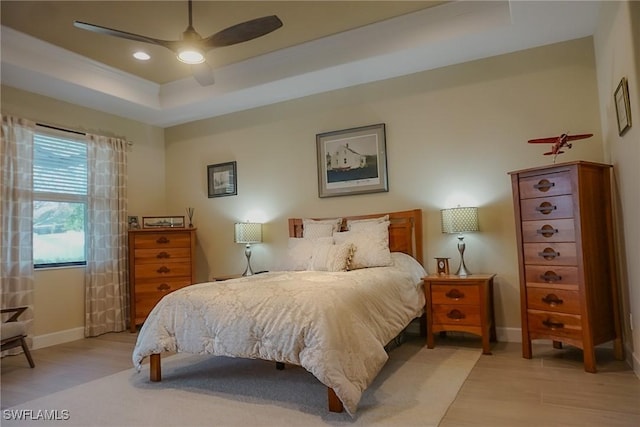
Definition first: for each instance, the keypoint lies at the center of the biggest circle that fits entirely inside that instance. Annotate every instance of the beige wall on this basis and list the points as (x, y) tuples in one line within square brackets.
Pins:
[(617, 43), (59, 293), (452, 136)]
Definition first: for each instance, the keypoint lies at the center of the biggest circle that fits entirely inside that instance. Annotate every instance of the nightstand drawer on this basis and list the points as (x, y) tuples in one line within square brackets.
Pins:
[(456, 315), (455, 294)]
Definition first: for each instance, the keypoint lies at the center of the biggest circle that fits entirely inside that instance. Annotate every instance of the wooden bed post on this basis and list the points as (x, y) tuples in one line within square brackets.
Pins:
[(335, 405), (155, 373)]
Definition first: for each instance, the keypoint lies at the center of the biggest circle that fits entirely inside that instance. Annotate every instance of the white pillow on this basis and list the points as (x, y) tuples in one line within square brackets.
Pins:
[(371, 246), (357, 224), (300, 251), (315, 227), (331, 257)]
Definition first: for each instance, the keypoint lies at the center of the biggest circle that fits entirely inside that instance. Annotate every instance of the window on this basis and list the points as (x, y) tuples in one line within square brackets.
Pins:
[(59, 199)]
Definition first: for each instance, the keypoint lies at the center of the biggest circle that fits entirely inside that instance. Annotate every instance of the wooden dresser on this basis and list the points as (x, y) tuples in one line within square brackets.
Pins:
[(566, 254), (160, 261)]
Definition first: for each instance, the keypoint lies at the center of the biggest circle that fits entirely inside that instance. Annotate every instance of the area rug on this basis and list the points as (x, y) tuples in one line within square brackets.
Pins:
[(415, 388)]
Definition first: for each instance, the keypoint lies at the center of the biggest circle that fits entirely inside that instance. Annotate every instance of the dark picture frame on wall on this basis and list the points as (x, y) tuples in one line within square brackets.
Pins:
[(222, 179), (352, 161), (623, 107)]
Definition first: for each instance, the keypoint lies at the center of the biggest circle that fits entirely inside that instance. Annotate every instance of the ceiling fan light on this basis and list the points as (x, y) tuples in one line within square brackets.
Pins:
[(190, 56)]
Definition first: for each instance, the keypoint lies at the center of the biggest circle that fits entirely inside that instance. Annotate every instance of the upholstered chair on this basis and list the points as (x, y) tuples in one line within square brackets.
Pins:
[(13, 332)]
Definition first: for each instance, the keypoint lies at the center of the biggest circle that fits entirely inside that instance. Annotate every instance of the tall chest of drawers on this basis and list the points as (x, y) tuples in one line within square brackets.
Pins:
[(160, 261), (566, 254)]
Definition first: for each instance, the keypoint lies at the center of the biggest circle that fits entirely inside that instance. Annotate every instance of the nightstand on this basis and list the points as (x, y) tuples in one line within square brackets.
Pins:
[(463, 304)]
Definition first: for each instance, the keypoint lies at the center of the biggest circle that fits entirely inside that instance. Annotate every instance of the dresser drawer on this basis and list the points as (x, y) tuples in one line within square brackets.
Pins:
[(555, 230), (162, 255), (144, 271), (452, 294), (550, 254), (161, 240), (555, 300), (547, 208), (150, 292), (451, 314), (552, 276), (550, 324), (552, 184)]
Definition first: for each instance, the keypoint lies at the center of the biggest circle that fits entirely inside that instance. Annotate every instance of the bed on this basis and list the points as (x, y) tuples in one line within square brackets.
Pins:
[(333, 323)]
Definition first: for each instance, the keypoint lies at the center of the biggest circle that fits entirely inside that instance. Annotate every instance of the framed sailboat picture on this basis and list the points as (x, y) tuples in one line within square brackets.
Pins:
[(352, 161)]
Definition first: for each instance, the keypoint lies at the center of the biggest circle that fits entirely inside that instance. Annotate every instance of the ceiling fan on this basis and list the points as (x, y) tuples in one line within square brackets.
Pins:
[(192, 47)]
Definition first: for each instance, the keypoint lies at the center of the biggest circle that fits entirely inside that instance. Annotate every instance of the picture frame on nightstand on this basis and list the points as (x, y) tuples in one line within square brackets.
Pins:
[(442, 266)]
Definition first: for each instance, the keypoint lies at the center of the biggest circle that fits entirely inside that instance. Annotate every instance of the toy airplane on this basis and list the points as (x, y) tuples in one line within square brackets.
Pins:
[(559, 142)]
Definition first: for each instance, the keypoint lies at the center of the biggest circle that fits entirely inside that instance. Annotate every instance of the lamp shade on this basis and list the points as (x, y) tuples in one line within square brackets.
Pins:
[(459, 220), (248, 232)]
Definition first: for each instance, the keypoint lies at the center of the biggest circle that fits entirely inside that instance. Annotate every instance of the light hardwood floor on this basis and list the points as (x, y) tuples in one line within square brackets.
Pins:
[(503, 389)]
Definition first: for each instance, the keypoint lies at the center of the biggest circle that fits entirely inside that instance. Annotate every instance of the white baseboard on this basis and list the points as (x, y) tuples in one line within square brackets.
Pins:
[(60, 337)]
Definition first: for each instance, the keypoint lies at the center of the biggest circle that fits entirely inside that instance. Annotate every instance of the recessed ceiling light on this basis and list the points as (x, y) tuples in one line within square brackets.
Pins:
[(142, 56)]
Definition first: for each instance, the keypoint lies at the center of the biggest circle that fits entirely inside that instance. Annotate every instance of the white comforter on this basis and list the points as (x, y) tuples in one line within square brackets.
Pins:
[(335, 325)]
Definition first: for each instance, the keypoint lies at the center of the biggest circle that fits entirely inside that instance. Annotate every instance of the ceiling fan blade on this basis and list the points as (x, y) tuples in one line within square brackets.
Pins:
[(243, 32), (123, 34), (203, 73)]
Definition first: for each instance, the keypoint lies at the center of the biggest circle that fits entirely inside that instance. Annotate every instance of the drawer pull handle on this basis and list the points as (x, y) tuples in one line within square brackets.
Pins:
[(163, 255), (552, 325), (162, 240), (544, 185), (547, 230), (164, 287), (546, 208), (552, 300), (454, 294), (549, 254), (456, 315), (163, 269), (550, 276)]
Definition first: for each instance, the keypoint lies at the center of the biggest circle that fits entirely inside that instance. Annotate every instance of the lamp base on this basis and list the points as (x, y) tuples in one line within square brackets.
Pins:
[(462, 270), (248, 271)]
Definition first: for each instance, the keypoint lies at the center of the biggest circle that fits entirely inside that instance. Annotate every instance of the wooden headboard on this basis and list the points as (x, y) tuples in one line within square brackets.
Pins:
[(405, 230)]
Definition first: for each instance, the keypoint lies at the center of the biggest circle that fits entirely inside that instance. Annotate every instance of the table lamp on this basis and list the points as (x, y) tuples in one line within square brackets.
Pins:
[(460, 220), (248, 233)]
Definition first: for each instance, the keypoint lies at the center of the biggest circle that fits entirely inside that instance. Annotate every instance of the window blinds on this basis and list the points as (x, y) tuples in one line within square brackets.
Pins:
[(59, 165)]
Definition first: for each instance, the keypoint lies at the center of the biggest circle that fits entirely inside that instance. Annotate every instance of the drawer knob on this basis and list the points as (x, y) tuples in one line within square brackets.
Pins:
[(162, 240), (456, 315), (544, 185), (547, 230), (552, 325), (549, 254), (552, 300), (454, 294), (550, 276), (546, 208), (162, 255), (164, 287), (163, 269)]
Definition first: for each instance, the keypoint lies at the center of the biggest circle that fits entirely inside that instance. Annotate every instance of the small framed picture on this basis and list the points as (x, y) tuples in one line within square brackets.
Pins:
[(133, 222), (222, 180), (623, 107), (162, 222)]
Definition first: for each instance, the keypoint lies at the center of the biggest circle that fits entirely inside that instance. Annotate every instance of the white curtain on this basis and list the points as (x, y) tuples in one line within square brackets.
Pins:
[(16, 211), (106, 290)]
